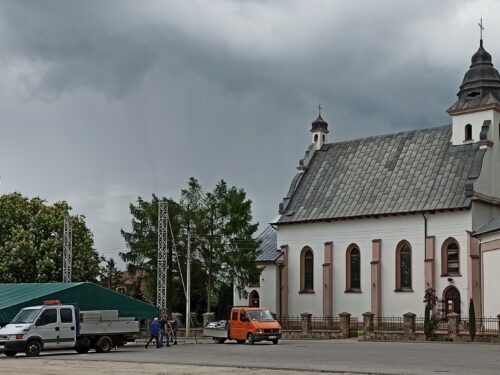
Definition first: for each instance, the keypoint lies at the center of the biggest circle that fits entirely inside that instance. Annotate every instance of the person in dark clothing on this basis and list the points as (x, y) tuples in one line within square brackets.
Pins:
[(163, 331), (154, 329)]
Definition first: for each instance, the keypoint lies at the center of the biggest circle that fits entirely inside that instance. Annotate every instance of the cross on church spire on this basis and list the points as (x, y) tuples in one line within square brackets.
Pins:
[(481, 28), (319, 108)]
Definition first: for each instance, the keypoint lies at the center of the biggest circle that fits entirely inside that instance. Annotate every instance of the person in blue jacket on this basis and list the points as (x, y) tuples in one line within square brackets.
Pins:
[(154, 329)]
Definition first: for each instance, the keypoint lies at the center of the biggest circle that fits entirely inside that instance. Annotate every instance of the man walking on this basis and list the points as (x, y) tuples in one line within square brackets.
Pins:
[(154, 329), (163, 331)]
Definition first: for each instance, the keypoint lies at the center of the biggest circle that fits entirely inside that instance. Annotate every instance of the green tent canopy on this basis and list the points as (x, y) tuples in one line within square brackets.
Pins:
[(88, 296)]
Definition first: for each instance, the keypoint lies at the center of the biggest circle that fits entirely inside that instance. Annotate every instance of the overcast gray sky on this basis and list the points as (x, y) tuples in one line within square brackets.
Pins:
[(102, 101)]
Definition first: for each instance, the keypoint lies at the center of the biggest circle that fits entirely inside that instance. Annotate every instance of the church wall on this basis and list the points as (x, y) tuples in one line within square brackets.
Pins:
[(489, 181), (391, 230), (490, 253), (267, 289)]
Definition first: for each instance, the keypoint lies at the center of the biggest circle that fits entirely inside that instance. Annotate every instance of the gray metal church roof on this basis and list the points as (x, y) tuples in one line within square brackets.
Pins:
[(412, 171), (491, 226), (268, 246)]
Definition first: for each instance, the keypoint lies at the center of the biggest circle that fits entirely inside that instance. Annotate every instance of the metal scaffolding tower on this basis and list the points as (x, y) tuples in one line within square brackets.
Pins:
[(67, 249), (162, 265)]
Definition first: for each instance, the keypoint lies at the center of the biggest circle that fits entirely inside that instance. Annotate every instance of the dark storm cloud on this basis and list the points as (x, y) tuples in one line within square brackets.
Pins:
[(112, 99)]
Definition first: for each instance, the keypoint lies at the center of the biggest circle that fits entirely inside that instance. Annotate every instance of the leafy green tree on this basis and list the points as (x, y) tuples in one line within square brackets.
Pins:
[(472, 320), (111, 277), (223, 248), (31, 242)]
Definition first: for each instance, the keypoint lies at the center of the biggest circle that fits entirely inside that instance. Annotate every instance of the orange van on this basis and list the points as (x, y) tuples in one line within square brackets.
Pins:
[(253, 324)]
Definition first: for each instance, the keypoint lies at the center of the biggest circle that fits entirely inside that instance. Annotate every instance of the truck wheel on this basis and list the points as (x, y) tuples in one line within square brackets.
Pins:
[(275, 342), (221, 341), (82, 345), (251, 338), (241, 341), (10, 353), (33, 348), (82, 349), (104, 344)]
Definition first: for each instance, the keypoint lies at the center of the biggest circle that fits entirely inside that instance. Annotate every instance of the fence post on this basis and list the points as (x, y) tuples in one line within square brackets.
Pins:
[(453, 325), (409, 325), (306, 324), (367, 324), (345, 323), (207, 318)]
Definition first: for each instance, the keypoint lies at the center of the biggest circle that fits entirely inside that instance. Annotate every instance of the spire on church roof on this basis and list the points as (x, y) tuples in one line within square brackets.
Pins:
[(481, 80), (319, 124)]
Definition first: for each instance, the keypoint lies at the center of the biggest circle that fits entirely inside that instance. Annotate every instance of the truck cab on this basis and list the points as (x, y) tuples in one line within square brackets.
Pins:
[(253, 324)]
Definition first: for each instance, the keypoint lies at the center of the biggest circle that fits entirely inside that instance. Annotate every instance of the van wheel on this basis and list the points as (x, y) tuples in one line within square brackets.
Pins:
[(104, 344), (10, 353), (275, 342), (33, 348), (251, 338)]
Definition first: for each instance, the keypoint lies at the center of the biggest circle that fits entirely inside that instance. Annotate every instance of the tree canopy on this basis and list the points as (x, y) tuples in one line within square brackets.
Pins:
[(223, 248), (31, 242)]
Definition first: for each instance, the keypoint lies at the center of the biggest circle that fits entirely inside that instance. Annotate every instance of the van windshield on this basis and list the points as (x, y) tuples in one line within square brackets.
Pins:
[(25, 316), (260, 315)]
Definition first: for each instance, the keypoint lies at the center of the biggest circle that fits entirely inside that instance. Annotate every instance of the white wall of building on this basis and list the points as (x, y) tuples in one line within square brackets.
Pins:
[(491, 286), (489, 181), (391, 230), (268, 289)]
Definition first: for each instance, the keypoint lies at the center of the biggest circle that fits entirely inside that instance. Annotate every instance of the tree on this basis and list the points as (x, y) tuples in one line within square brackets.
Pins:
[(222, 244), (142, 241), (31, 242), (430, 322), (111, 277), (472, 320)]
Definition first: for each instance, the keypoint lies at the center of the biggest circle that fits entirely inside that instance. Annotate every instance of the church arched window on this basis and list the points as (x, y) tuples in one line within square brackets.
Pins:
[(306, 270), (353, 269), (403, 267), (315, 138), (450, 258), (468, 132)]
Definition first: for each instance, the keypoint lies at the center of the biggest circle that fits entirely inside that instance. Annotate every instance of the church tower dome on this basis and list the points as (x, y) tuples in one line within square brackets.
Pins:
[(319, 130), (478, 103)]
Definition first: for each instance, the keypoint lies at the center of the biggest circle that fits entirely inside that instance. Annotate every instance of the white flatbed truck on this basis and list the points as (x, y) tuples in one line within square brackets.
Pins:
[(57, 326)]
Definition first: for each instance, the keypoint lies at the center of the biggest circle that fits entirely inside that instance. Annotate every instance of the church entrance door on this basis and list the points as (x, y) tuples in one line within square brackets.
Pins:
[(254, 299), (451, 297)]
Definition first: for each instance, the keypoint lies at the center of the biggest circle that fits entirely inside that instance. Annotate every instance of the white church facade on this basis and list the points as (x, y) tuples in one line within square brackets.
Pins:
[(370, 224)]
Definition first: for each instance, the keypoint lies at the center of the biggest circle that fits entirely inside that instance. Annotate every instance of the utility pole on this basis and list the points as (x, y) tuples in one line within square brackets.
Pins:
[(162, 264), (67, 249), (188, 278)]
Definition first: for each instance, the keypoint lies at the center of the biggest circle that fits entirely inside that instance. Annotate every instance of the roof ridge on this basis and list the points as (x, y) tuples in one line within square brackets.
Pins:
[(390, 134)]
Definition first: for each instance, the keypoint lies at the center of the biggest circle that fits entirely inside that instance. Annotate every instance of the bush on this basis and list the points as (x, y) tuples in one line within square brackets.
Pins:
[(430, 324), (472, 320)]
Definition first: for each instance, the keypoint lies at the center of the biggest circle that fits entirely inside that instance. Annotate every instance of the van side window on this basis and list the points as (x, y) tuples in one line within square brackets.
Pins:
[(66, 316), (243, 316), (47, 317), (235, 315)]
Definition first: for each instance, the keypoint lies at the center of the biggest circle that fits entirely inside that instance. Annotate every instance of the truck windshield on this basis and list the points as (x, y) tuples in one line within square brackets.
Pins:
[(25, 316), (260, 315)]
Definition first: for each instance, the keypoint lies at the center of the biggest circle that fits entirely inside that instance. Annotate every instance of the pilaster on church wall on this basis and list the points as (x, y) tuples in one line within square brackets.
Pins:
[(391, 230)]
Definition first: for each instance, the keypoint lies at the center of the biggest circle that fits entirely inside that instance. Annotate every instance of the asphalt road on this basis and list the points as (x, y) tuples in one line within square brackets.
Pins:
[(330, 355)]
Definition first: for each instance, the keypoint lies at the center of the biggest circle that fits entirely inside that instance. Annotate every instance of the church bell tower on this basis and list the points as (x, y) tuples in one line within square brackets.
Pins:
[(319, 130)]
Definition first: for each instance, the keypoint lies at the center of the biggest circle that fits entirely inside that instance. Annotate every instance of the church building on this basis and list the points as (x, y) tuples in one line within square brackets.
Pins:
[(369, 224)]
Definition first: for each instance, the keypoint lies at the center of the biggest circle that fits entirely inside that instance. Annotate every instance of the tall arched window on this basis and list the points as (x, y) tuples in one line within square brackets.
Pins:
[(306, 270), (468, 132), (450, 258), (315, 138), (403, 267), (353, 269)]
